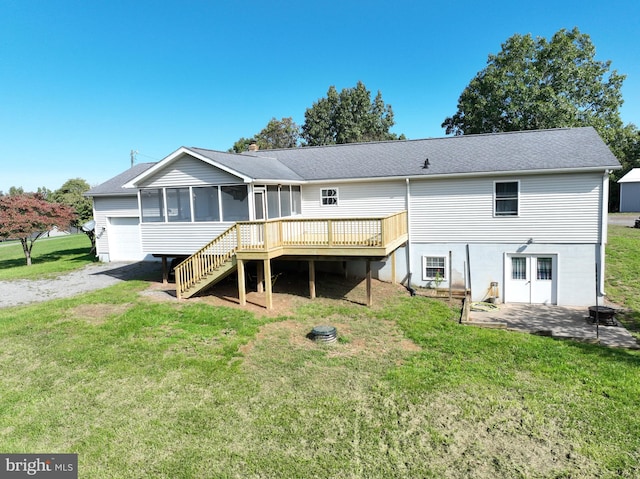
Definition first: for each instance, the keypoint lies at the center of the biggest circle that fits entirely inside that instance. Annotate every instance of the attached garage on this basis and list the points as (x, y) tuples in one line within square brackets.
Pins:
[(124, 239)]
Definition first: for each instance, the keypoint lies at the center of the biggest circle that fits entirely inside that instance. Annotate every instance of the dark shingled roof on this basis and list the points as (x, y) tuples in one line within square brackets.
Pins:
[(567, 148), (252, 166), (523, 151), (114, 185)]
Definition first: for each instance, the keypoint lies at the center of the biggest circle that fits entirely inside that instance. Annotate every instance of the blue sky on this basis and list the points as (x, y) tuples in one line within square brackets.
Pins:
[(84, 82)]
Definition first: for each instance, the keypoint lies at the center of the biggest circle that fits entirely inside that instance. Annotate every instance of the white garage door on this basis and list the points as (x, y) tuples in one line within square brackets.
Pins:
[(531, 279), (124, 239)]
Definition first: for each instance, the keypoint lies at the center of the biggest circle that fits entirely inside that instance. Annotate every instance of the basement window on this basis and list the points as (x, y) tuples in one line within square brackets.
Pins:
[(434, 268)]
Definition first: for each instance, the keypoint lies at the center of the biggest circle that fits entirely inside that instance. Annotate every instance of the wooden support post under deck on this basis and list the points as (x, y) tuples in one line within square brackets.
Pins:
[(267, 280), (369, 300), (312, 279), (260, 274), (242, 291), (165, 273)]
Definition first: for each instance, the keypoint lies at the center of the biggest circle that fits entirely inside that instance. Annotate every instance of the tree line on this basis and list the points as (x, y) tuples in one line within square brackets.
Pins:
[(348, 116), (532, 83)]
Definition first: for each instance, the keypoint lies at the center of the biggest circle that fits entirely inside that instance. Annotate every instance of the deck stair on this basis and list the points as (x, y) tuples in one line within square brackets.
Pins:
[(207, 266)]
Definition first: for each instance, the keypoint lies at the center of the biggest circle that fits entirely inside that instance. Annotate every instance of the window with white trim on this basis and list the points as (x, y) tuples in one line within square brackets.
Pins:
[(434, 268), (329, 197), (506, 197)]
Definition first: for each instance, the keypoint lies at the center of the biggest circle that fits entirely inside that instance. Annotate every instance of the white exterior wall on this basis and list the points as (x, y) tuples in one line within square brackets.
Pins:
[(366, 199), (110, 207), (552, 209), (559, 214), (575, 267), (179, 238), (629, 197), (189, 171)]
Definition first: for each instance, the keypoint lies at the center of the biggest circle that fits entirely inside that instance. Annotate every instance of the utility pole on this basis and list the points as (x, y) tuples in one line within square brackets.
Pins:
[(133, 156)]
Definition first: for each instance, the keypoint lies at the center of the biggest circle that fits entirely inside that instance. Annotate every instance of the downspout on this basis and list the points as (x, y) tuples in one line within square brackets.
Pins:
[(604, 228), (408, 205)]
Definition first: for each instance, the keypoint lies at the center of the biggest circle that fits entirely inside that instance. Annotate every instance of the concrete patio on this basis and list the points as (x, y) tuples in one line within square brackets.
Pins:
[(556, 321)]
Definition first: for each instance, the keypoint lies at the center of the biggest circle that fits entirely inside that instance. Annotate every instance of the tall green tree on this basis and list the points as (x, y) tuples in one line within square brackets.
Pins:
[(283, 133), (538, 83), (71, 194), (348, 117), (535, 83)]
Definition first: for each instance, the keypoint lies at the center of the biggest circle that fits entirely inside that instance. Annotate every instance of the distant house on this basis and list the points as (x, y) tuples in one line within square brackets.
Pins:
[(630, 191), (522, 215)]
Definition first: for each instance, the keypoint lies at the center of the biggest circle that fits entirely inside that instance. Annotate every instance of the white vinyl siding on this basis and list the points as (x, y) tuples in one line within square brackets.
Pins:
[(178, 239), (552, 209), (189, 171), (366, 199)]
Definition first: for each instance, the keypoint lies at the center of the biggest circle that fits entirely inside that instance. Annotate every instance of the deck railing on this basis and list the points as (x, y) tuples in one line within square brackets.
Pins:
[(207, 259), (290, 233), (327, 232)]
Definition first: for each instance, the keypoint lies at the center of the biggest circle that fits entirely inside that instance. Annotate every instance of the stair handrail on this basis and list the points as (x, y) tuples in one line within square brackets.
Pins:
[(206, 260)]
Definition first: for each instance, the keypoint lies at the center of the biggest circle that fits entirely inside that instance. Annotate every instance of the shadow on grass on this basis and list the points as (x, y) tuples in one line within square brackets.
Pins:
[(70, 255)]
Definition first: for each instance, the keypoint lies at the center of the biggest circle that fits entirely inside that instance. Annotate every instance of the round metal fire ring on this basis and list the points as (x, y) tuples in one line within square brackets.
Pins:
[(324, 334)]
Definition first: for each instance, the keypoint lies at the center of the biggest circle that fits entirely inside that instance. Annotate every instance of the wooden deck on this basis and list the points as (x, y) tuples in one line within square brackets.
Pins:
[(302, 237)]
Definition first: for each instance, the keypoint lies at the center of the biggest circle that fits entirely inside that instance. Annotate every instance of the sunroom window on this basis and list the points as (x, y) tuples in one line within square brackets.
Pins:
[(235, 203), (206, 204), (152, 203), (178, 205)]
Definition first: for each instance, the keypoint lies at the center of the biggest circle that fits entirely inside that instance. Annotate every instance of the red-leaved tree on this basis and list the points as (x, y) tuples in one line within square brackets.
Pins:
[(29, 216)]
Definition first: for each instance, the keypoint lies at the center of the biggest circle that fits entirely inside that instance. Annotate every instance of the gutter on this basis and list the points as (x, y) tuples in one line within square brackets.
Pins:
[(409, 262), (604, 229), (476, 174)]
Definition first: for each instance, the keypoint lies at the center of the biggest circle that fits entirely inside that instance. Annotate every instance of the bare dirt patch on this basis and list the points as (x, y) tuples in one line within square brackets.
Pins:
[(290, 291), (97, 313)]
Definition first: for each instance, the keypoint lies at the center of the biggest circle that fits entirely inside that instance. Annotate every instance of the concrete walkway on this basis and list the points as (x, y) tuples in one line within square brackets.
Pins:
[(556, 321)]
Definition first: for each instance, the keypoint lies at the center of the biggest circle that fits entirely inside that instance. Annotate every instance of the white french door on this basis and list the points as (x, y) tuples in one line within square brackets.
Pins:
[(531, 279)]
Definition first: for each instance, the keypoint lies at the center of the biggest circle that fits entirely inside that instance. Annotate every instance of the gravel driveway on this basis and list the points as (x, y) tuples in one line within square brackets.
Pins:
[(92, 277)]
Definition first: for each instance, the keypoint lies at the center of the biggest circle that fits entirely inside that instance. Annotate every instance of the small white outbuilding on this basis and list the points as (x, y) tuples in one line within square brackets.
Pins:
[(630, 192)]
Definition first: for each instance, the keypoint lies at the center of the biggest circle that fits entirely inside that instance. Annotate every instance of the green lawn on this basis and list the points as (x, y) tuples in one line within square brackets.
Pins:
[(622, 273), (50, 257), (141, 388)]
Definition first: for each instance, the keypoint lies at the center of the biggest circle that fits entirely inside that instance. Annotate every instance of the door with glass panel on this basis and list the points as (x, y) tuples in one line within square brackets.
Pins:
[(531, 279), (260, 204)]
